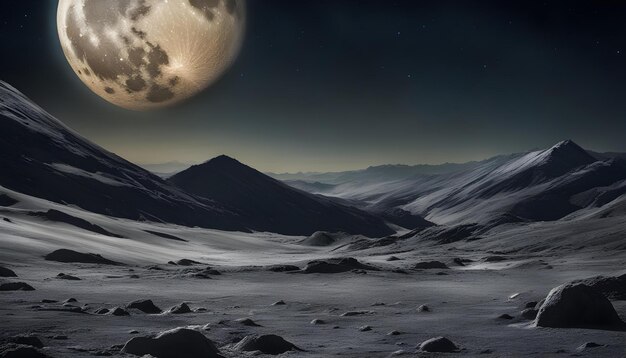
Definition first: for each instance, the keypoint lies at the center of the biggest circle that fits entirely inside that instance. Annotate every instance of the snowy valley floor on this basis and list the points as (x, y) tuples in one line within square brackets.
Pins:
[(465, 301)]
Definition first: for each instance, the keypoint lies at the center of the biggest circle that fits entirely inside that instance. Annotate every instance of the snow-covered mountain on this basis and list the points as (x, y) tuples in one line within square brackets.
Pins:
[(266, 204), (43, 158), (535, 186)]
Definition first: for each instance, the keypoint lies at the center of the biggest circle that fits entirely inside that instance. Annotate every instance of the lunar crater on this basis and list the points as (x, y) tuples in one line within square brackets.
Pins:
[(145, 54)]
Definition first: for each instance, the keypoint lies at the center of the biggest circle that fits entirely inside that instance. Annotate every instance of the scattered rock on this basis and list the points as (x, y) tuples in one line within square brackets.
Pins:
[(394, 333), (283, 268), (439, 345), (63, 276), (70, 256), (378, 304), (336, 265), (279, 303), (182, 308), (427, 265), (505, 316), (356, 313), (318, 321), (323, 238), (133, 332), (393, 258), (145, 306), (5, 272), (529, 313), (365, 328), (16, 286), (118, 311), (134, 276), (423, 308), (268, 344), (179, 342), (70, 300), (461, 262), (398, 270), (248, 322), (49, 301), (577, 305), (27, 341), (60, 338)]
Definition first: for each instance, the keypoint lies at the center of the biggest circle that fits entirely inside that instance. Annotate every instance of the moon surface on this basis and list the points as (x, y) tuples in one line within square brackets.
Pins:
[(147, 54)]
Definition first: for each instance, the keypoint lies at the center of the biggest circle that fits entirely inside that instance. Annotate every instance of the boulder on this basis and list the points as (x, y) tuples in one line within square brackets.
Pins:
[(118, 311), (5, 272), (336, 265), (145, 306), (268, 344), (16, 286), (613, 288), (577, 305), (63, 276), (182, 308), (179, 342), (439, 345), (283, 268), (529, 313)]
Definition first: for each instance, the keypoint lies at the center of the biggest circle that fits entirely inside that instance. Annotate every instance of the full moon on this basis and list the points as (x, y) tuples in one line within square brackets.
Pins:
[(147, 54)]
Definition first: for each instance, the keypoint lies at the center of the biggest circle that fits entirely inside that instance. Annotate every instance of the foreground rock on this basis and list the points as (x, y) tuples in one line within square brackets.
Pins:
[(20, 351), (16, 286), (614, 288), (179, 342), (336, 265), (63, 276), (145, 306), (182, 308), (268, 344), (70, 256), (5, 272), (577, 305), (439, 345)]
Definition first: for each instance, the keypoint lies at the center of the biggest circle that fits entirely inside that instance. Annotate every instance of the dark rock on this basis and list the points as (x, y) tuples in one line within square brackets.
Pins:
[(187, 262), (69, 256), (102, 311), (283, 268), (393, 258), (430, 265), (505, 316), (133, 332), (577, 305), (70, 300), (529, 313), (179, 342), (63, 276), (27, 341), (49, 301), (268, 344), (318, 321), (365, 328), (336, 265), (394, 333), (118, 311), (182, 308), (461, 262), (531, 304), (323, 238), (145, 306), (401, 271), (16, 286), (279, 303), (59, 216), (60, 338), (5, 272), (439, 345), (248, 322), (20, 351), (356, 313)]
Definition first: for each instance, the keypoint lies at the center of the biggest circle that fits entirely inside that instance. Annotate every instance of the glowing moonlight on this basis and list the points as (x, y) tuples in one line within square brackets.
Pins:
[(145, 54)]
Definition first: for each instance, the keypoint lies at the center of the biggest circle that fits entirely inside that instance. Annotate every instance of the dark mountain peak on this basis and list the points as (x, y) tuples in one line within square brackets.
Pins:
[(567, 154)]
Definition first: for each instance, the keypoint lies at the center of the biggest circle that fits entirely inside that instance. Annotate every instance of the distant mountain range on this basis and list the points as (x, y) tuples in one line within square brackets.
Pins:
[(41, 157), (535, 186)]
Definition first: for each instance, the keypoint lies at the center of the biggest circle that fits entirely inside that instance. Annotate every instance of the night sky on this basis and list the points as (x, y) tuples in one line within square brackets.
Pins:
[(343, 84)]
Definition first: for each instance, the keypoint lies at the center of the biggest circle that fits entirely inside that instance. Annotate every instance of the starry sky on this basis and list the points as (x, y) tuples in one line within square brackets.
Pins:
[(331, 85)]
